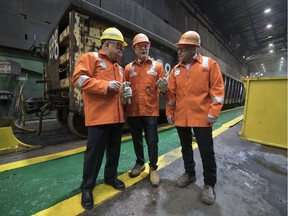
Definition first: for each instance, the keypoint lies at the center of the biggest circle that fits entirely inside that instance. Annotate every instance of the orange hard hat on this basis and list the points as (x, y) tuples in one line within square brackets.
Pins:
[(140, 38), (190, 38)]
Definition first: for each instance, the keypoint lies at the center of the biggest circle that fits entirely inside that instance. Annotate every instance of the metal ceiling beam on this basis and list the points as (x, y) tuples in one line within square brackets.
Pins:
[(252, 24)]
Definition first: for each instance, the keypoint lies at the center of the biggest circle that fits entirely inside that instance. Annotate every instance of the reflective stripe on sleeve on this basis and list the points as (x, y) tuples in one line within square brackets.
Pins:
[(218, 100), (81, 80)]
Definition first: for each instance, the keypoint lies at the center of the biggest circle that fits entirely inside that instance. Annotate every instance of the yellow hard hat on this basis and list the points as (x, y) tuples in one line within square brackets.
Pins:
[(190, 38), (113, 34), (140, 38)]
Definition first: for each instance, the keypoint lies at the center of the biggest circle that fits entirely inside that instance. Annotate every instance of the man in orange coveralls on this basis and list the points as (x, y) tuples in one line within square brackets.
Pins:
[(147, 78), (99, 76), (195, 97)]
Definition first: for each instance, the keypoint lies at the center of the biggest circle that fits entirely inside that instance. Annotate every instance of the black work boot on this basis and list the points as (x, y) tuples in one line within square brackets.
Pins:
[(87, 201)]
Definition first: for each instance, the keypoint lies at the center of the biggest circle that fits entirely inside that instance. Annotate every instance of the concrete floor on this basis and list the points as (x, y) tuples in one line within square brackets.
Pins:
[(252, 181)]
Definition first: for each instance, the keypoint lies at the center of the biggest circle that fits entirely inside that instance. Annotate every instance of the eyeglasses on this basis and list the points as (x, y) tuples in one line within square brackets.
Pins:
[(182, 49), (118, 45), (141, 46)]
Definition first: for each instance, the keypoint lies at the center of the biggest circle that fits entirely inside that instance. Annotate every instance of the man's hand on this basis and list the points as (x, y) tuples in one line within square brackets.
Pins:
[(126, 93), (211, 119), (162, 84), (170, 119), (114, 85)]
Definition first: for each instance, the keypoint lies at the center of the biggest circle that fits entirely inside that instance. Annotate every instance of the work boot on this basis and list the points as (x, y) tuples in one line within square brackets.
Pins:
[(154, 178), (208, 195), (185, 180), (115, 183), (87, 201), (137, 169)]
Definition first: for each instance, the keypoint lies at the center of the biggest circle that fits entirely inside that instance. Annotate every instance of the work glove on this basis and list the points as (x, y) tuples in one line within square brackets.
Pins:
[(114, 85), (126, 93), (170, 119), (162, 84), (211, 119)]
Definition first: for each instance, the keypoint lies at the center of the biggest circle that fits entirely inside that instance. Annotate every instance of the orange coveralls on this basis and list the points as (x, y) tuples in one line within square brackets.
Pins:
[(143, 78), (143, 111), (92, 75), (195, 93)]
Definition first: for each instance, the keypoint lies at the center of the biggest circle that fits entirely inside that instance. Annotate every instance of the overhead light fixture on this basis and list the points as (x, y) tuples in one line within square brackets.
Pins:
[(271, 51), (269, 26), (270, 44), (268, 10), (270, 36)]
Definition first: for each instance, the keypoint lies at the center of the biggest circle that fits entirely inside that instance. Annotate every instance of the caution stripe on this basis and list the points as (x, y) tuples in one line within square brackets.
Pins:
[(103, 192)]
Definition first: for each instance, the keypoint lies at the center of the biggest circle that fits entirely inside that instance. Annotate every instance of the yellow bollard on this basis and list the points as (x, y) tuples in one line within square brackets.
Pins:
[(8, 141)]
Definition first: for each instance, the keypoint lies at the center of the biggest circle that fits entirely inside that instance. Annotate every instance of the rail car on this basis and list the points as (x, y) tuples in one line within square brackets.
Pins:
[(234, 92), (78, 31)]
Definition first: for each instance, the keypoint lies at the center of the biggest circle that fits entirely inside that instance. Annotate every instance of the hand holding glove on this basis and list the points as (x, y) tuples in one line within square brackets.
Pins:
[(114, 85), (126, 93), (162, 84), (170, 119), (211, 119)]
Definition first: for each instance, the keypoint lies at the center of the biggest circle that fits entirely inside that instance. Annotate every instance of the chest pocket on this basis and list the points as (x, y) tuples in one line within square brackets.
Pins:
[(152, 69)]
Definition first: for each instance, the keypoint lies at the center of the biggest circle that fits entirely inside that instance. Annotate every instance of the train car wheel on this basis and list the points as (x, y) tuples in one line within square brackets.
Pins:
[(62, 117), (76, 124)]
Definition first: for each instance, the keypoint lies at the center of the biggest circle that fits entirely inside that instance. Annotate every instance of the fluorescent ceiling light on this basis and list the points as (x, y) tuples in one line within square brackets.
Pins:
[(267, 10)]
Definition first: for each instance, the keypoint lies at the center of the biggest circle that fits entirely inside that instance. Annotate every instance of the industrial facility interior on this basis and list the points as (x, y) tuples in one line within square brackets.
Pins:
[(42, 129)]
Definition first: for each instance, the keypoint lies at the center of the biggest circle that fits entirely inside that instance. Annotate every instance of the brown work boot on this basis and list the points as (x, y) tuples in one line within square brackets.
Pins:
[(137, 169), (208, 195), (154, 178), (185, 180)]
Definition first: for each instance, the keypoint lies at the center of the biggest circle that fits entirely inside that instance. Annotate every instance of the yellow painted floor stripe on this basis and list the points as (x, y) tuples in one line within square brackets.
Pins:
[(103, 192), (232, 122), (30, 161), (228, 110), (39, 159)]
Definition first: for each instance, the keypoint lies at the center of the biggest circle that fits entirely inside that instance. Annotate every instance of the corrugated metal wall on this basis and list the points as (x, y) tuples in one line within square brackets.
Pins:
[(168, 20)]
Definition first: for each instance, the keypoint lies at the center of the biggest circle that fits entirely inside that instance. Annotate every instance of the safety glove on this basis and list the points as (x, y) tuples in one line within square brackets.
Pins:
[(114, 85), (162, 84), (211, 119), (126, 92)]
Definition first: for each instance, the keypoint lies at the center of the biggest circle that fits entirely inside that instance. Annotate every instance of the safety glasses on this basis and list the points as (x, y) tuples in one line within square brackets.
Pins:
[(182, 49), (142, 45), (118, 45)]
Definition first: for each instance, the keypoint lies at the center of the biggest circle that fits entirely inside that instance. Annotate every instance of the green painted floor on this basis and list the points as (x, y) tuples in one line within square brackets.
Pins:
[(28, 190)]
